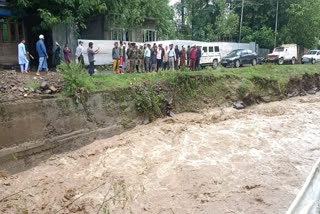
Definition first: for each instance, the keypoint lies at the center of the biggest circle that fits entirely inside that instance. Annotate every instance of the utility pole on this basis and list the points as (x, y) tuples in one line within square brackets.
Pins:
[(241, 20), (276, 27)]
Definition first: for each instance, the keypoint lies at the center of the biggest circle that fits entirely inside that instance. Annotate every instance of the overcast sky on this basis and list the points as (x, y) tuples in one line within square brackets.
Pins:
[(172, 2)]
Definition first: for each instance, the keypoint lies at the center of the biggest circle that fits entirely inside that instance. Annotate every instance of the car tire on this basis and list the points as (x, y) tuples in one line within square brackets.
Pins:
[(313, 61), (254, 62), (237, 64), (302, 62), (281, 61), (215, 64), (293, 61)]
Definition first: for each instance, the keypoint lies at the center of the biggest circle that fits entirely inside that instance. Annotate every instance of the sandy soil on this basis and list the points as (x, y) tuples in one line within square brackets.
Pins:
[(217, 161)]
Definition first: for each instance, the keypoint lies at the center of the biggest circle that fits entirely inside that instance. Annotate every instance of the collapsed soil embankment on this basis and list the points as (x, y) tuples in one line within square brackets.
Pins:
[(32, 130)]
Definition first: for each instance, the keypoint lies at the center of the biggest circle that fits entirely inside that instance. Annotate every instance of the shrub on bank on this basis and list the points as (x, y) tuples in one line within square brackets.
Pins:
[(75, 79)]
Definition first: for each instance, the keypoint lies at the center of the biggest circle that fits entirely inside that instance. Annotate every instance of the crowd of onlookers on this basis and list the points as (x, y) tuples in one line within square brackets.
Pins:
[(126, 59), (145, 58)]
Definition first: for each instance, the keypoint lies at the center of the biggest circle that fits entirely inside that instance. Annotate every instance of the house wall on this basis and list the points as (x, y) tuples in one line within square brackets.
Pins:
[(65, 34), (95, 29)]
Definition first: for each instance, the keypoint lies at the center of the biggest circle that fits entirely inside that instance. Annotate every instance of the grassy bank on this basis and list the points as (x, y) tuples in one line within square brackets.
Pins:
[(156, 93), (274, 72)]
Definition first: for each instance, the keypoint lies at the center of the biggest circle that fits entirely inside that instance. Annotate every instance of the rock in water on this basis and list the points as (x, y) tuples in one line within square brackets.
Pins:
[(239, 105), (44, 85)]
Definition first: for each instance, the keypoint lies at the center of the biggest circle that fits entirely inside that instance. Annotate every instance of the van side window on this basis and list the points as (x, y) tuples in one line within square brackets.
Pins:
[(216, 49), (205, 49), (210, 49), (318, 52)]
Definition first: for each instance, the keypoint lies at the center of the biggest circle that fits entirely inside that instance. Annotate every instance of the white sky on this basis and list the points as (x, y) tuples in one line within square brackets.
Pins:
[(172, 2)]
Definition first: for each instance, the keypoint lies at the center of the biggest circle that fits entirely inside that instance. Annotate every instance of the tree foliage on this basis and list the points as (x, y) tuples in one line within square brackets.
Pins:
[(59, 11), (209, 20)]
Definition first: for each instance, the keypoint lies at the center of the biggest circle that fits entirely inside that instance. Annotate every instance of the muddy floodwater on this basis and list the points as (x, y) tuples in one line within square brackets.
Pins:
[(216, 161)]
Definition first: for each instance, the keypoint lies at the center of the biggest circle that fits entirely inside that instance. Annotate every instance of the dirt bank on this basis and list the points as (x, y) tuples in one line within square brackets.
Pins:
[(217, 161)]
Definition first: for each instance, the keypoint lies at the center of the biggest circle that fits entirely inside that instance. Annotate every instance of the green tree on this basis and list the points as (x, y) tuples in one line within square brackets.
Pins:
[(53, 12), (303, 26)]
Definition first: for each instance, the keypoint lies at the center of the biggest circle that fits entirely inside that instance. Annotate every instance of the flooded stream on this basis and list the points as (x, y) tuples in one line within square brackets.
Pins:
[(216, 161)]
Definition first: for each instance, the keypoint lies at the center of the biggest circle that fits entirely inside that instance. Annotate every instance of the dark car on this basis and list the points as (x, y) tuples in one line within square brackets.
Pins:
[(239, 57)]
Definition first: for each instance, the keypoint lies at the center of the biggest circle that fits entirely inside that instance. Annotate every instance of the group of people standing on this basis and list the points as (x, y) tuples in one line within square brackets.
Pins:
[(145, 58), (133, 58)]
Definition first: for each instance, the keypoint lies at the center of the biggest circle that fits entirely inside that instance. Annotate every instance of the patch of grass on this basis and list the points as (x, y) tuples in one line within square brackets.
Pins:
[(33, 84), (272, 72), (75, 79)]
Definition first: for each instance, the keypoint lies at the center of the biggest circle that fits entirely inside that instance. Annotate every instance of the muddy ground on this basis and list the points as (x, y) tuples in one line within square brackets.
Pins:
[(15, 85), (216, 161)]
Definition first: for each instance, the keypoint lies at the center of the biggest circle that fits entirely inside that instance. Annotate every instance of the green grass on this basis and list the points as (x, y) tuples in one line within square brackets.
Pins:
[(273, 72), (33, 84)]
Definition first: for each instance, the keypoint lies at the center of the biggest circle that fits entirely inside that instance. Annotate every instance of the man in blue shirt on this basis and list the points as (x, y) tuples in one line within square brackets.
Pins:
[(43, 56)]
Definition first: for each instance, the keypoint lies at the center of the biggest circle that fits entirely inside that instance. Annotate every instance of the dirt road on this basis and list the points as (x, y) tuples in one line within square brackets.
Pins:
[(216, 161)]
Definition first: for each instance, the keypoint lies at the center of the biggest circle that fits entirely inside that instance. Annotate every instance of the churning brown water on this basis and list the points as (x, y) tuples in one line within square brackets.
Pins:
[(216, 161)]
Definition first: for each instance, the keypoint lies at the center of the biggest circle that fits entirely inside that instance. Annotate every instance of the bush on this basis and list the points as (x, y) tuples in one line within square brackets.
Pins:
[(75, 79)]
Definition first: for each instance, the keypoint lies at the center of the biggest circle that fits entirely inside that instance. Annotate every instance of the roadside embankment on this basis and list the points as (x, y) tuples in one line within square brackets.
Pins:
[(32, 130)]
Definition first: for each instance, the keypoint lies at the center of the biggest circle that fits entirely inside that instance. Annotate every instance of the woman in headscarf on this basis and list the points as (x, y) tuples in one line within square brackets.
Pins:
[(57, 54), (67, 53)]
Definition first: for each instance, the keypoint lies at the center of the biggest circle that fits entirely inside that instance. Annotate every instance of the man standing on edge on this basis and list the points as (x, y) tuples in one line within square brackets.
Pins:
[(166, 59), (176, 62), (154, 52), (183, 57), (198, 57), (160, 55), (188, 55), (132, 56), (116, 58), (43, 56), (193, 57), (79, 53), (172, 57), (23, 61), (91, 54), (122, 56), (141, 59), (147, 55)]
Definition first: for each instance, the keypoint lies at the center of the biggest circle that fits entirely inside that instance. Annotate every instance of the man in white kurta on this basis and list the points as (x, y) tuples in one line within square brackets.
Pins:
[(22, 57)]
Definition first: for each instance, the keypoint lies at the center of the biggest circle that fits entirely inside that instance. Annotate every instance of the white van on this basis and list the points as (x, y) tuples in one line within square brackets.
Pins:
[(210, 56), (284, 53)]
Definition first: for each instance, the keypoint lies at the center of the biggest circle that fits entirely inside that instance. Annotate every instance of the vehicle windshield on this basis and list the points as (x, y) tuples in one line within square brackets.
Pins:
[(280, 49), (234, 53), (312, 53)]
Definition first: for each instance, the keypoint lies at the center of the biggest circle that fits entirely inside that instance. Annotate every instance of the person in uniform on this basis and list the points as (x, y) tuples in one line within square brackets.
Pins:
[(154, 52), (141, 59), (132, 56)]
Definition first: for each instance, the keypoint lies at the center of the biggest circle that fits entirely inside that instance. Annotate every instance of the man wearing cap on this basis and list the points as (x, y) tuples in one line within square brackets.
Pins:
[(172, 57), (91, 54), (79, 53), (43, 56)]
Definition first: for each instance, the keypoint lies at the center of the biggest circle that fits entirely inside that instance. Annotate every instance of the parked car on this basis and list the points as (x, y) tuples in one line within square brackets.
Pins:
[(313, 56), (239, 57), (210, 56), (284, 53)]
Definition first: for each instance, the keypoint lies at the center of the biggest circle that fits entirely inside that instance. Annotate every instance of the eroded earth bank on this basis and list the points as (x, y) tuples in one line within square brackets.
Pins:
[(217, 161)]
